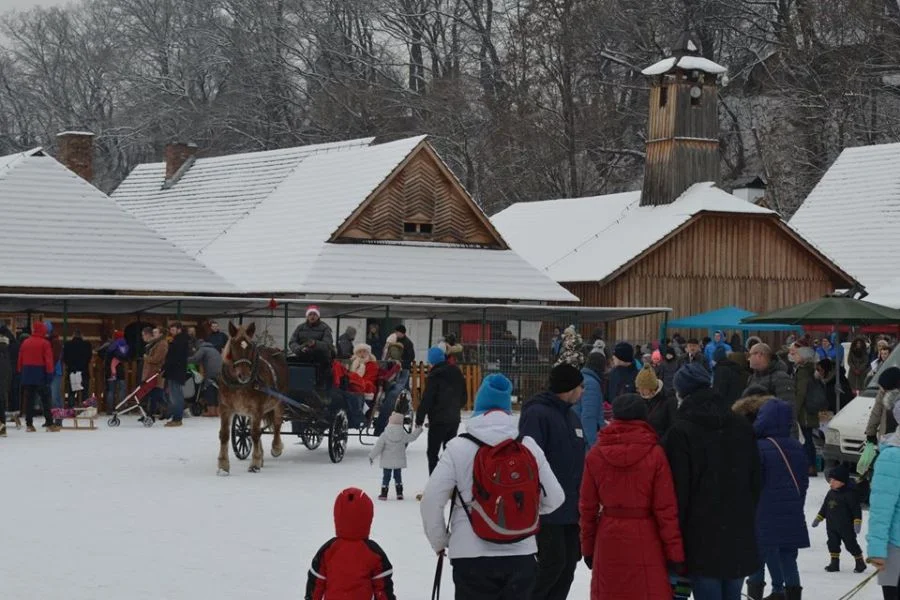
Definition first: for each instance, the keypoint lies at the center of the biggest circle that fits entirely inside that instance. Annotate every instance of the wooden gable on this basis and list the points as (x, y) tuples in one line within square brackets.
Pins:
[(421, 201), (715, 260)]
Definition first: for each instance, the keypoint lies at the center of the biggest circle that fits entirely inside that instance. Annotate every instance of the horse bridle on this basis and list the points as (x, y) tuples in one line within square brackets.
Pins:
[(253, 361)]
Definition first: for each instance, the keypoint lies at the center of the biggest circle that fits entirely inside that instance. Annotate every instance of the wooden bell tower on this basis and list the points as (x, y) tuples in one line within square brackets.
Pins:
[(683, 129)]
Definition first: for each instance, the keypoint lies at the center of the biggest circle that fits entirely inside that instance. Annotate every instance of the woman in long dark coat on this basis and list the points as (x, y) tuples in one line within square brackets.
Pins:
[(858, 361)]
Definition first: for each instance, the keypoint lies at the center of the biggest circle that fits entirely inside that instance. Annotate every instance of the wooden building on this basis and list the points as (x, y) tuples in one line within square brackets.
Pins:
[(681, 241)]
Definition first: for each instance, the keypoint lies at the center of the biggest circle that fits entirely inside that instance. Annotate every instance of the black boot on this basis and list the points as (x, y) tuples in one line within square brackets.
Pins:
[(383, 494), (755, 590), (860, 565), (793, 593), (399, 491), (834, 566)]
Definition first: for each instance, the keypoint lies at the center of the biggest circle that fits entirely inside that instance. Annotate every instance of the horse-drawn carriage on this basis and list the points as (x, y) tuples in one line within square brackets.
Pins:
[(318, 412)]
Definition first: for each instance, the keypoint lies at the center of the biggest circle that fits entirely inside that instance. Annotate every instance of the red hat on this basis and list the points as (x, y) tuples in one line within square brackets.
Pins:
[(118, 334), (313, 309)]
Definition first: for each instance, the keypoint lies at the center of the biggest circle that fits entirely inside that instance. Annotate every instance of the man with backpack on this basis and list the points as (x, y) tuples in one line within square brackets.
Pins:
[(548, 418), (491, 551)]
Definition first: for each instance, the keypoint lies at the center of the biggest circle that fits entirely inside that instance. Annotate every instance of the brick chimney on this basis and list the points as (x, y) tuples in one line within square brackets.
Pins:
[(177, 154), (76, 152)]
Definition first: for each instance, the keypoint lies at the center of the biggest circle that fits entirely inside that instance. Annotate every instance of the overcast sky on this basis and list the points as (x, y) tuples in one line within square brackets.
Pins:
[(6, 5)]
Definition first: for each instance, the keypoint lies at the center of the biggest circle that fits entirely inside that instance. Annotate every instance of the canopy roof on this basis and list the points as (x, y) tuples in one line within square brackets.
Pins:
[(239, 306), (831, 310), (729, 317)]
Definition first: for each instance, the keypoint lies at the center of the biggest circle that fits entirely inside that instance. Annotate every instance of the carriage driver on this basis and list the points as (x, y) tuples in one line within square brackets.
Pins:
[(313, 341)]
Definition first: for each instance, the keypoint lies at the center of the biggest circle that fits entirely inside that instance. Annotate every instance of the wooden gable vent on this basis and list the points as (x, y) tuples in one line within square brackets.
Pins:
[(421, 201)]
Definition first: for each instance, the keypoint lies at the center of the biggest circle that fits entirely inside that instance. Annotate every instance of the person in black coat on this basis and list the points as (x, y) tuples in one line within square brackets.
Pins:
[(175, 371), (77, 354), (217, 338), (729, 379), (548, 418), (442, 403), (622, 375), (667, 369), (842, 513), (716, 470), (661, 409)]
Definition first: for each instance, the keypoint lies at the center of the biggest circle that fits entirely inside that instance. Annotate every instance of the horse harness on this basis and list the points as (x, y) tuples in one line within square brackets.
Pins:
[(254, 381)]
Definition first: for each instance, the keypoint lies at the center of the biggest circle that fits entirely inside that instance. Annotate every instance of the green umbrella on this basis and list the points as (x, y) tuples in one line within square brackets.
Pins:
[(831, 310)]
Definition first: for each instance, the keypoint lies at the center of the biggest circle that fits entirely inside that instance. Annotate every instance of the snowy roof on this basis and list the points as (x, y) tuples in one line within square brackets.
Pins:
[(435, 271), (214, 193), (275, 239), (858, 197), (589, 239), (62, 232), (686, 63)]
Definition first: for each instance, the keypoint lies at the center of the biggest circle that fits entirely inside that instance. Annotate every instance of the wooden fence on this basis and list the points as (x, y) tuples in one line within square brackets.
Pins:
[(418, 377)]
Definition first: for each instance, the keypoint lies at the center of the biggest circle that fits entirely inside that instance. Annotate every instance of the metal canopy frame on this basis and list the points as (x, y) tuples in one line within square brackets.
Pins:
[(248, 307)]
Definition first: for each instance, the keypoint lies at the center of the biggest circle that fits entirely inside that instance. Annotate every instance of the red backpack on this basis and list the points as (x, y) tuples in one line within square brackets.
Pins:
[(506, 492)]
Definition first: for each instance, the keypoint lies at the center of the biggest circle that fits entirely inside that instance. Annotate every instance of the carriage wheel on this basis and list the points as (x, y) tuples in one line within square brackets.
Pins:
[(311, 438), (240, 436), (337, 437)]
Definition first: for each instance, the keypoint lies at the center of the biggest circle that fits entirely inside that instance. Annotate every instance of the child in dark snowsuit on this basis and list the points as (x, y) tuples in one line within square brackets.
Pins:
[(351, 566), (842, 513)]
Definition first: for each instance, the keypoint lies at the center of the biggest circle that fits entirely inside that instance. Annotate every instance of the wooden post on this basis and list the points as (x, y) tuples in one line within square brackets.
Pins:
[(286, 327), (430, 331), (481, 337)]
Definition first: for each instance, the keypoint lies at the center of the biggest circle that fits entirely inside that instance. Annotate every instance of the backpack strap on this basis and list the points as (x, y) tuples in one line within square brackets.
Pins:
[(787, 464), (472, 438)]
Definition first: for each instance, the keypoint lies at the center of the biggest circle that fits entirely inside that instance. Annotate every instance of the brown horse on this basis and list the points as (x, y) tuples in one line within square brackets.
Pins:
[(247, 371)]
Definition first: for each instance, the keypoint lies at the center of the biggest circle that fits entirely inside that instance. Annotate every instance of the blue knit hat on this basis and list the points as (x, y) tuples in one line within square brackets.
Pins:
[(691, 378), (436, 356), (495, 393)]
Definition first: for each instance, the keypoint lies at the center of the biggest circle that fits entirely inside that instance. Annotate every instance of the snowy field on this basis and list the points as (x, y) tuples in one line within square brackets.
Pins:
[(139, 514)]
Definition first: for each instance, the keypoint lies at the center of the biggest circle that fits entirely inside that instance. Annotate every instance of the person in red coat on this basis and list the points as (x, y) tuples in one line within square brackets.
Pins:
[(35, 367), (350, 566), (629, 513)]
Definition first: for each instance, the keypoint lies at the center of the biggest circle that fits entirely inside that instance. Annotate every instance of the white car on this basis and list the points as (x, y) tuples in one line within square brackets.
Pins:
[(845, 434)]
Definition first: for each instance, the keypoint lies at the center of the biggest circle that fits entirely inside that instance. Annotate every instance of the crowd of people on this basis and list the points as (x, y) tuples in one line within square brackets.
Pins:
[(681, 471), (33, 365)]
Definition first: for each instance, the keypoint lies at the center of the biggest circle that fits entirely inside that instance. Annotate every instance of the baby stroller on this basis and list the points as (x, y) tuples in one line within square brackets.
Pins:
[(137, 396), (194, 387)]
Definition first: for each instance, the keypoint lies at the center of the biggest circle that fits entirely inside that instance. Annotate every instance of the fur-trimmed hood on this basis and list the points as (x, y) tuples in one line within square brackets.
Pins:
[(749, 407)]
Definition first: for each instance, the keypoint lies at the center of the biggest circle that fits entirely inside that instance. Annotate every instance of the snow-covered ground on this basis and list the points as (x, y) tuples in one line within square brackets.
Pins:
[(140, 514)]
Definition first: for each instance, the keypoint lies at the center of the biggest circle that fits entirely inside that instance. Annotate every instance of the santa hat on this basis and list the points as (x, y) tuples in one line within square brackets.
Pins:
[(312, 309)]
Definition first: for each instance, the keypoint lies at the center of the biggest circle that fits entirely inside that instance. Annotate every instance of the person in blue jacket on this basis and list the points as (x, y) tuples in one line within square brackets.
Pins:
[(549, 420), (590, 407), (883, 539), (780, 521), (717, 342)]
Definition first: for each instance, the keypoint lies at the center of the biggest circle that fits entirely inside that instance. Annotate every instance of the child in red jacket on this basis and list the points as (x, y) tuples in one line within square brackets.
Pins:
[(350, 566)]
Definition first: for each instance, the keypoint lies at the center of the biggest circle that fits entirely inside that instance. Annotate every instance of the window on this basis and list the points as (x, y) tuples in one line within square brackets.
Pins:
[(663, 96), (417, 229)]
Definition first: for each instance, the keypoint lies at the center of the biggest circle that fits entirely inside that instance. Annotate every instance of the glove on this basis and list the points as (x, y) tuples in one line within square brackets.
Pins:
[(857, 526), (816, 521), (589, 561)]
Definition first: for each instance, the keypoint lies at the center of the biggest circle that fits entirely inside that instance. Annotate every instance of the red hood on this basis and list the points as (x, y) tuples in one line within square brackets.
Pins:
[(38, 329), (353, 513), (624, 443)]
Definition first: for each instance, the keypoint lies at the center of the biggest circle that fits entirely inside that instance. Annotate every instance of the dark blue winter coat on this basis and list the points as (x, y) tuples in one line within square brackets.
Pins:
[(780, 520), (621, 382), (555, 427)]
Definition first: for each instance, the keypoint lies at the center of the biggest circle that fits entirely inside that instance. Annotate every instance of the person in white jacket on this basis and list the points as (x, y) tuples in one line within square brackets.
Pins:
[(391, 447), (483, 570)]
